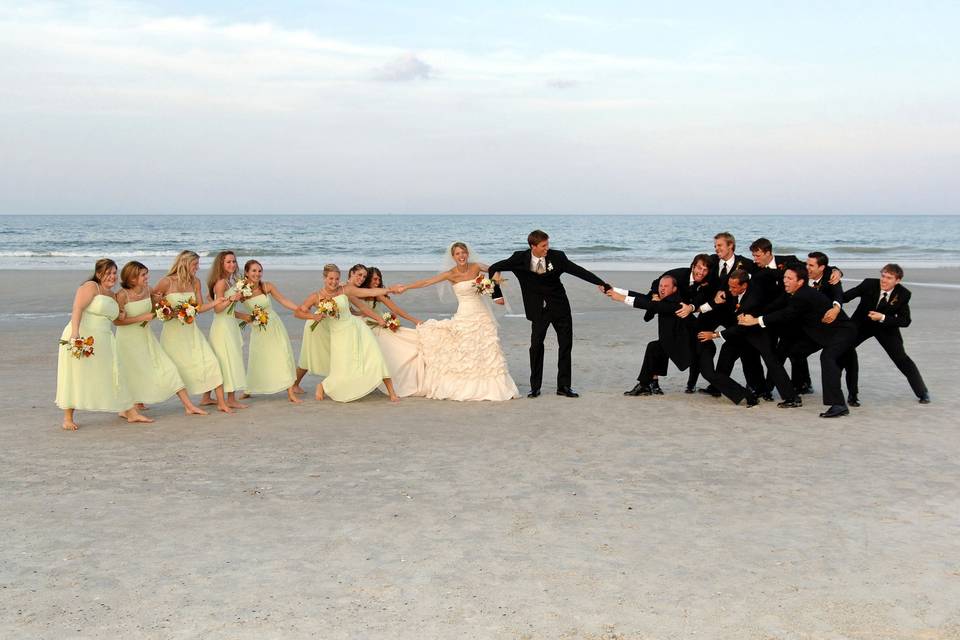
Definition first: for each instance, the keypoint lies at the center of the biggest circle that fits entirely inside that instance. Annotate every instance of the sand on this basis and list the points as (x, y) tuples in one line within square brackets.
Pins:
[(600, 517)]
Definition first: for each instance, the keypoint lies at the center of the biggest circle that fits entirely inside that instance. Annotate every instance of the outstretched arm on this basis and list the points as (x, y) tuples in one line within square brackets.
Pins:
[(426, 282), (397, 311), (272, 290), (303, 311), (571, 267), (365, 310)]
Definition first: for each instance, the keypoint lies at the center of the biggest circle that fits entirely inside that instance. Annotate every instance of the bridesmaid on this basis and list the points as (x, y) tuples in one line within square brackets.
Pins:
[(356, 366), (225, 336), (150, 373), (400, 348), (270, 364), (184, 343), (94, 383)]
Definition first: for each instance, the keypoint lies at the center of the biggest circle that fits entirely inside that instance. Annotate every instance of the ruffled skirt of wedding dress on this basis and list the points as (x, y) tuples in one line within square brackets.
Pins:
[(463, 359)]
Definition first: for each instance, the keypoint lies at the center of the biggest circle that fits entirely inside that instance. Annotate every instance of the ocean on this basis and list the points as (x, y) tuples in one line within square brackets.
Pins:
[(418, 242)]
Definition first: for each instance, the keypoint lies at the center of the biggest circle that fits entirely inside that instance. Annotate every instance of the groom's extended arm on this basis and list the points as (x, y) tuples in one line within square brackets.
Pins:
[(513, 263), (571, 267)]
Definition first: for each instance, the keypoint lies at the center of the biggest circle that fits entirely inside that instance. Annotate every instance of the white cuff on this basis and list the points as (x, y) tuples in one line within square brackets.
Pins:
[(883, 317), (760, 322), (837, 304), (628, 300), (705, 307), (620, 291)]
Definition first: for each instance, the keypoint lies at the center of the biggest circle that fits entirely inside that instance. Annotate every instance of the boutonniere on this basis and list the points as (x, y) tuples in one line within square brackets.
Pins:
[(893, 299), (737, 265), (782, 266), (549, 266)]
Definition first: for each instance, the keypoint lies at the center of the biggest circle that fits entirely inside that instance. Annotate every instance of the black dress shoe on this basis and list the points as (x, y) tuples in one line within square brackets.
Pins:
[(691, 388), (805, 389), (567, 391), (534, 393), (711, 391), (924, 399), (655, 388), (853, 401), (639, 389), (751, 400), (792, 403), (835, 411), (767, 396)]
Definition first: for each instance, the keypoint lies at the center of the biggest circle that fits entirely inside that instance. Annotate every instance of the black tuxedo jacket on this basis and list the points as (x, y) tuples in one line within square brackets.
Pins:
[(695, 294), (672, 332), (896, 311), (805, 308), (753, 303), (543, 294), (720, 284), (833, 291)]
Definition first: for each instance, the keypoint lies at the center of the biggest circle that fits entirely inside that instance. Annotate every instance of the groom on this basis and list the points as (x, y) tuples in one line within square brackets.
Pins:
[(538, 269)]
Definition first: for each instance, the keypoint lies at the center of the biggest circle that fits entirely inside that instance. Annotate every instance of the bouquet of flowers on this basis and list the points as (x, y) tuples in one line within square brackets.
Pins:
[(80, 347), (186, 311), (392, 323), (163, 310), (326, 308), (259, 317), (243, 287), (483, 285)]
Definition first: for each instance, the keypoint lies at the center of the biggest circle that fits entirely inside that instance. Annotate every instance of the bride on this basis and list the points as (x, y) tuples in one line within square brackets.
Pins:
[(462, 355)]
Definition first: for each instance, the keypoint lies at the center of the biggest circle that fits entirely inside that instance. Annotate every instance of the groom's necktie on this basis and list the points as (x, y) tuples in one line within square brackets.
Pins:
[(883, 300), (540, 268), (723, 270)]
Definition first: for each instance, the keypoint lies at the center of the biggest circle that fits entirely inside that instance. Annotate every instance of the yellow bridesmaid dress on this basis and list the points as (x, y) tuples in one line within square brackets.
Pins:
[(94, 383), (315, 348), (227, 342), (150, 373), (357, 366), (190, 351), (270, 364)]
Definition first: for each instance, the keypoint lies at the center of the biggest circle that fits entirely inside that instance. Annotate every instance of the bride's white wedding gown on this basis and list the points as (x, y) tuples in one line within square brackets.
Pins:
[(462, 355)]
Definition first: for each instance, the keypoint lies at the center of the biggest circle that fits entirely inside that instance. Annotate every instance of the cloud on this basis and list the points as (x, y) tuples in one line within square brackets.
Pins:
[(405, 68), (562, 84)]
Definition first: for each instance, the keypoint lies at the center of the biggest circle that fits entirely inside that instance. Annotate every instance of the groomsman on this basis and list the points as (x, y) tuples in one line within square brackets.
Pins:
[(807, 307), (693, 288), (826, 280), (726, 260), (673, 341), (739, 340), (768, 271), (883, 309)]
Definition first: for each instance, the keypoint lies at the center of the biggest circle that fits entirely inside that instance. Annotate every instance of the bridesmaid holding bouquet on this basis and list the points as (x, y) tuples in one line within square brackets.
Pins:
[(270, 364), (150, 373), (88, 376), (225, 335), (181, 338)]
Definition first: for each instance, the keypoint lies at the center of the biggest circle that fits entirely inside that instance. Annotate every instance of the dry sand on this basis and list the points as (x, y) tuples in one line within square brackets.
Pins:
[(602, 517)]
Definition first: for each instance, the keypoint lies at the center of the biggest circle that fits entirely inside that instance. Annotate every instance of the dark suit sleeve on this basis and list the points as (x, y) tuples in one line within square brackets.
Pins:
[(786, 314), (512, 263), (856, 292), (573, 268)]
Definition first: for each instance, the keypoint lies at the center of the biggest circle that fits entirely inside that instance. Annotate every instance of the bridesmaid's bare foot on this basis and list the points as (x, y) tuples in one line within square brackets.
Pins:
[(224, 408), (298, 389), (319, 394), (196, 411), (394, 398), (70, 425), (206, 402), (136, 417), (291, 396), (233, 404)]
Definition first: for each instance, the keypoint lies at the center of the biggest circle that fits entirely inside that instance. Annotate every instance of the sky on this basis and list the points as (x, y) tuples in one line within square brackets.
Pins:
[(491, 107)]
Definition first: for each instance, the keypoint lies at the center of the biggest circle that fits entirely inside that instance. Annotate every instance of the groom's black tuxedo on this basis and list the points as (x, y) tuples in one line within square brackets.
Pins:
[(544, 303)]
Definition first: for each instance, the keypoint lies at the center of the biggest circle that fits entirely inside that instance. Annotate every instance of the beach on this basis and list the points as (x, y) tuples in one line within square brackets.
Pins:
[(604, 517)]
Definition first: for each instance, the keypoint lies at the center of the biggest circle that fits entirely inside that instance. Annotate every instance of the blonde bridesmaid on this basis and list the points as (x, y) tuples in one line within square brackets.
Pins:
[(225, 335), (270, 364), (357, 366), (184, 343), (150, 373), (94, 383)]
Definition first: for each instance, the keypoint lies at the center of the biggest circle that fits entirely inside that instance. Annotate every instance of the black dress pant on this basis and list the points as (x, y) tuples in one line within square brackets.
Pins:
[(655, 362), (723, 382), (892, 343), (564, 328), (834, 357)]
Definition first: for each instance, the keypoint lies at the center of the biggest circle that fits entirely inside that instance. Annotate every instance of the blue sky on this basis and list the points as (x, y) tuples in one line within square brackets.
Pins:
[(468, 107)]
